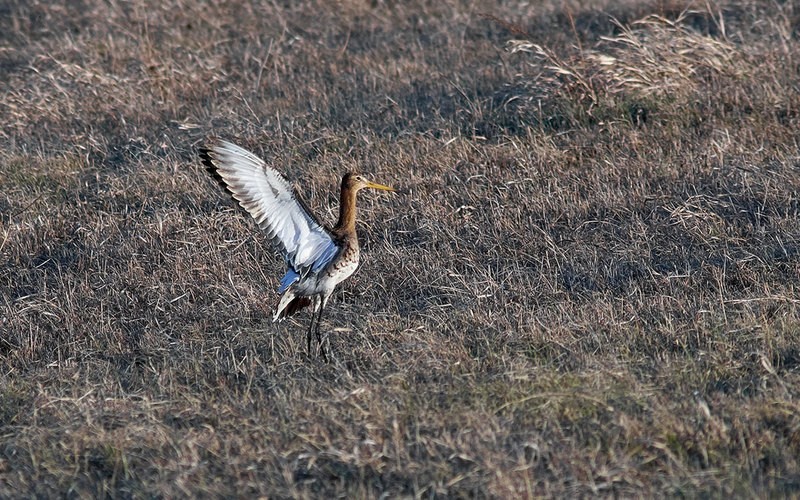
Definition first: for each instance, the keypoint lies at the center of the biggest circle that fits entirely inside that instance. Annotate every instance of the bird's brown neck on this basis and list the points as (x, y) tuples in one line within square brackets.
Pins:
[(347, 212)]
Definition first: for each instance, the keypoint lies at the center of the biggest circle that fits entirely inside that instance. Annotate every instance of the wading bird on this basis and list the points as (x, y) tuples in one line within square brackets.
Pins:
[(317, 258)]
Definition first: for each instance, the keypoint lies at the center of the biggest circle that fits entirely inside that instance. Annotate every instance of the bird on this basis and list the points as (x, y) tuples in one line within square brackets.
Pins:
[(317, 258)]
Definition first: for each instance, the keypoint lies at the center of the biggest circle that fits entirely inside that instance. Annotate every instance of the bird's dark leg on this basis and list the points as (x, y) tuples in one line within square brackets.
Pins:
[(319, 337), (311, 325)]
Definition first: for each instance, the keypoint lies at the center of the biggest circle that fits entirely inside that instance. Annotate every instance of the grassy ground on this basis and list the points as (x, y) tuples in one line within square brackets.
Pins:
[(587, 287)]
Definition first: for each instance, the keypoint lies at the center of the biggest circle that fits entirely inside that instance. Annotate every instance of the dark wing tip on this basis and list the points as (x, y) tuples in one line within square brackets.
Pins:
[(207, 158)]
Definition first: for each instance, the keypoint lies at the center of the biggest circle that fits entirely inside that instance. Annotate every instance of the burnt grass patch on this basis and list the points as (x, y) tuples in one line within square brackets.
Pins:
[(587, 285)]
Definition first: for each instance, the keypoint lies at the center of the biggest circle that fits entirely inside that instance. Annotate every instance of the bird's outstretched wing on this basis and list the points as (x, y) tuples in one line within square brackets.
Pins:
[(270, 200)]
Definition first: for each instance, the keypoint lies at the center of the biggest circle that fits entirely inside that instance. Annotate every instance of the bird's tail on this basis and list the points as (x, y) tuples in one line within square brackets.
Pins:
[(289, 305)]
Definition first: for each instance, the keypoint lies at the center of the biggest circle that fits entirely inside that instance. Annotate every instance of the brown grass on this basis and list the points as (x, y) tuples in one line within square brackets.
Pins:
[(589, 286)]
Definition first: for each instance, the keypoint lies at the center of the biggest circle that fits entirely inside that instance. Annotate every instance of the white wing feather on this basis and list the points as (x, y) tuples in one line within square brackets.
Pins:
[(270, 200)]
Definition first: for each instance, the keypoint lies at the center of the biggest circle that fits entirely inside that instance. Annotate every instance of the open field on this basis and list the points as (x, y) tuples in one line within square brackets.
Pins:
[(589, 285)]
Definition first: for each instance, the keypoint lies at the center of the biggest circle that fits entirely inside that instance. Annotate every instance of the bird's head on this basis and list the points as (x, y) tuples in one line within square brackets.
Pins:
[(358, 181)]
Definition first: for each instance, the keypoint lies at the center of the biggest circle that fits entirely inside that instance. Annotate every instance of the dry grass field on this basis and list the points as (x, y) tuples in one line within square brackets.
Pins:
[(587, 287)]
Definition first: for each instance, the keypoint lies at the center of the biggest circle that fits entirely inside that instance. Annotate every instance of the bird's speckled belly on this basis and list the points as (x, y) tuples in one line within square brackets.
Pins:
[(327, 279), (342, 270), (343, 267)]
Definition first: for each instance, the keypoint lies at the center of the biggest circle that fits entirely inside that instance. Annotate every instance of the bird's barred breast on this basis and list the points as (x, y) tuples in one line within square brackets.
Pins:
[(342, 268)]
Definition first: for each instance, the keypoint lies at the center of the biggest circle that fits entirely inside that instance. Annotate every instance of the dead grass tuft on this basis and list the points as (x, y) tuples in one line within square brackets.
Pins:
[(587, 288), (653, 56)]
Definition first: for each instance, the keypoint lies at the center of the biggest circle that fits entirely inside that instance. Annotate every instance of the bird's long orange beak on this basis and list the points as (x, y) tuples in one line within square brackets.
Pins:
[(374, 185)]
